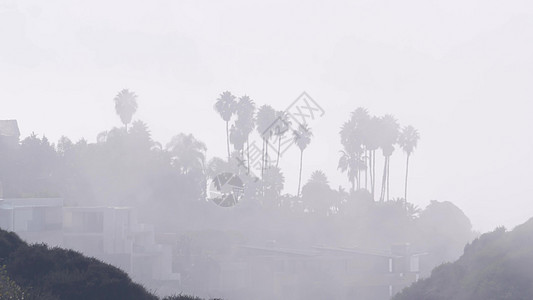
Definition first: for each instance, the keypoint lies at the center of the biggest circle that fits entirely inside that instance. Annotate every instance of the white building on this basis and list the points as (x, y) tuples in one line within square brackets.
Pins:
[(111, 234)]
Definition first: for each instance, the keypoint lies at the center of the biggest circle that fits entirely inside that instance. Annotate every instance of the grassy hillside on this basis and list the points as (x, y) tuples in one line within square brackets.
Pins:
[(498, 265)]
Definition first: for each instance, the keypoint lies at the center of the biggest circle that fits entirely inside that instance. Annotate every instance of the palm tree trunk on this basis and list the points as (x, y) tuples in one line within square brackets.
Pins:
[(374, 173), (227, 137), (358, 178), (300, 176), (388, 178), (383, 181), (406, 174), (248, 153), (263, 159), (279, 148), (266, 154), (366, 170), (371, 173)]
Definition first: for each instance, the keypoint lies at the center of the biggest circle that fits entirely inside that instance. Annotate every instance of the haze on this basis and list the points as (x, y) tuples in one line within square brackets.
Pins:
[(459, 71)]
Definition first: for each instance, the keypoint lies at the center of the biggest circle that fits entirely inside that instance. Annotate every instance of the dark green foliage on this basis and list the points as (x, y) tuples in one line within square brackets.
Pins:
[(498, 265), (54, 273), (8, 288)]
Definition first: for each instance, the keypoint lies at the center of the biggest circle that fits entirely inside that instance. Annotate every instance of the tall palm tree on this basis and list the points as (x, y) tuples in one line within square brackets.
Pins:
[(361, 119), (187, 153), (388, 136), (226, 106), (408, 141), (353, 138), (246, 121), (302, 138), (266, 116), (372, 144), (125, 106), (282, 126)]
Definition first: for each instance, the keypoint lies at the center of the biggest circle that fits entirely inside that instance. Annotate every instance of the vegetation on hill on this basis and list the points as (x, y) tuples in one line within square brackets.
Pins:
[(43, 273), (498, 265)]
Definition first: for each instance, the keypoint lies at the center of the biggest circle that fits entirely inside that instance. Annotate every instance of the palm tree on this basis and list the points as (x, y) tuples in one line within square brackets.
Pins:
[(351, 163), (226, 106), (282, 126), (266, 116), (187, 153), (408, 141), (237, 138), (372, 144), (388, 136), (125, 106), (302, 138), (245, 121), (361, 119), (354, 139)]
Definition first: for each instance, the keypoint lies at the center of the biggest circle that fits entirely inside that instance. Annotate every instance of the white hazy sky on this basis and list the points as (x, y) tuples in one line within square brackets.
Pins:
[(460, 71)]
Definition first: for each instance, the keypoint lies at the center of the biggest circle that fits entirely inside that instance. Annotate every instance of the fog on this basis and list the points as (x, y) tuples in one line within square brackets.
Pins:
[(459, 72)]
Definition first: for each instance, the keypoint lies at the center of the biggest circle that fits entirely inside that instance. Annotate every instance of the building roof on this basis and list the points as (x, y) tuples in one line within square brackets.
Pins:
[(9, 128), (298, 252), (30, 202)]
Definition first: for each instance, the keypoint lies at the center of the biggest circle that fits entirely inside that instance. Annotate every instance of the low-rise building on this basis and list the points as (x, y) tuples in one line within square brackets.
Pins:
[(111, 234)]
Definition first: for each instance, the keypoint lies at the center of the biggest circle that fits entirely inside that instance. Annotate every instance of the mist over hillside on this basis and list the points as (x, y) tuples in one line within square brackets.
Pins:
[(265, 150)]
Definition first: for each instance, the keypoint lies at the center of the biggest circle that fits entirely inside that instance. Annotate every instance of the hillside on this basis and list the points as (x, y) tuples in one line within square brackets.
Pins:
[(39, 272), (497, 265)]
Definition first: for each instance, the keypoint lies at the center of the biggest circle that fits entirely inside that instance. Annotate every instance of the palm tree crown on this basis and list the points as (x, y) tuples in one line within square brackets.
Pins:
[(225, 105), (187, 152), (125, 105), (408, 139), (302, 136)]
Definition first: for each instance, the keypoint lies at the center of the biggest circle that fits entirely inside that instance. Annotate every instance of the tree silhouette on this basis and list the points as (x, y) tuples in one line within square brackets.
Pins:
[(353, 138), (282, 126), (266, 116), (187, 153), (226, 106), (317, 195), (237, 138), (408, 141), (302, 138), (272, 184), (246, 122), (372, 144), (351, 163), (125, 106), (388, 136)]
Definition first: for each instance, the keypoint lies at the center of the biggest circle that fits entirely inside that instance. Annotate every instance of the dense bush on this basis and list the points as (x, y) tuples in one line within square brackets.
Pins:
[(37, 272), (54, 273)]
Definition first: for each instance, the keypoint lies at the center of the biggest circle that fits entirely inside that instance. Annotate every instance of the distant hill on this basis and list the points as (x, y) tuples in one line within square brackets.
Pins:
[(498, 265), (37, 272)]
